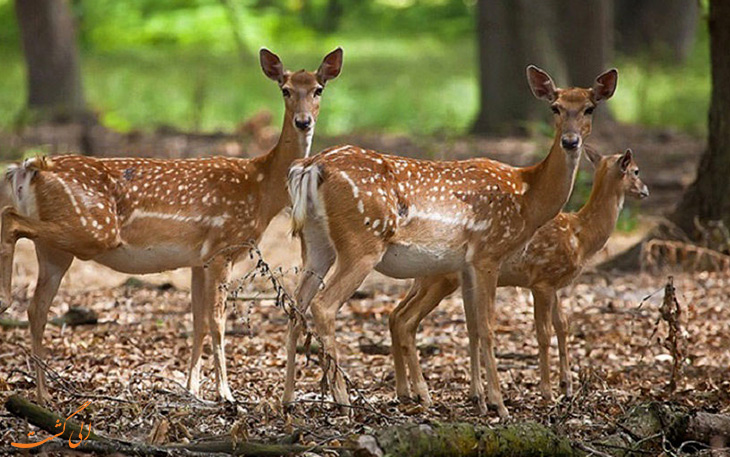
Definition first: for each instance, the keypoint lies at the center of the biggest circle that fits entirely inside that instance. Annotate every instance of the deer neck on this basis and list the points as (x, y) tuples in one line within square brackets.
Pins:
[(597, 218), (274, 166), (550, 183)]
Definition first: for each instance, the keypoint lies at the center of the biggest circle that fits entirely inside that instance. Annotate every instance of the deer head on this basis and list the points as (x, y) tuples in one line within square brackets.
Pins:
[(573, 107), (619, 167), (301, 89)]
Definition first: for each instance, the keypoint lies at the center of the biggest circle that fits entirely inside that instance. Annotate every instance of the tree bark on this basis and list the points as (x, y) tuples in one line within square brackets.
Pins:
[(658, 28), (512, 34), (708, 198), (52, 60), (585, 29), (570, 39)]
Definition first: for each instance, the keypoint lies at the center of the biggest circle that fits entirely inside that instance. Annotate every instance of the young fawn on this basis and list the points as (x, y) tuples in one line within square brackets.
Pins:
[(551, 260), (144, 215), (406, 218)]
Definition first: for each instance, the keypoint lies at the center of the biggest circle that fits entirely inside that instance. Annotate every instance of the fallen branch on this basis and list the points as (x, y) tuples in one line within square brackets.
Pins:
[(687, 256), (47, 420), (74, 316), (668, 246), (416, 440), (655, 424), (652, 427)]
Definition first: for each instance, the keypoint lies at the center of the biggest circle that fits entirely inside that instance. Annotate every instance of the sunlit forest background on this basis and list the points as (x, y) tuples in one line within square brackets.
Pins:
[(411, 66)]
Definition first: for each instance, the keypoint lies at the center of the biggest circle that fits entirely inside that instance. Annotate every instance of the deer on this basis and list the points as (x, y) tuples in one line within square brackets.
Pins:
[(551, 260), (142, 215), (361, 210)]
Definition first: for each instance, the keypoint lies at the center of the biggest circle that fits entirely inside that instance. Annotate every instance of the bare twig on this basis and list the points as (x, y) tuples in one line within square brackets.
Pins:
[(584, 447), (671, 313), (285, 301)]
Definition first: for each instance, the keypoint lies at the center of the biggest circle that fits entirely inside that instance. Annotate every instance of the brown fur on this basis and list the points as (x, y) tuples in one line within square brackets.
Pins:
[(414, 218), (551, 260), (148, 215)]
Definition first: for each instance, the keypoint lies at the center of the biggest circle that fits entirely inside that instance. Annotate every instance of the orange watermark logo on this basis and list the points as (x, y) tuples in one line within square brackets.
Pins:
[(63, 430)]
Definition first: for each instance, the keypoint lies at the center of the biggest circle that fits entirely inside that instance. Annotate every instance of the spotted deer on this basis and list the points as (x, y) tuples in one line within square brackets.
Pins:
[(551, 260), (407, 218), (139, 215)]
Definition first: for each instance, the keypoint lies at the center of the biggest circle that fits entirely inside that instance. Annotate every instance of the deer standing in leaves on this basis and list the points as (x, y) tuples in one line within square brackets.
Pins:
[(139, 215), (406, 218), (551, 260)]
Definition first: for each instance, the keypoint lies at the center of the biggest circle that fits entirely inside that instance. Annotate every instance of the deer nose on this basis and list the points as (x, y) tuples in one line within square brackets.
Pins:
[(644, 192), (303, 122), (570, 141)]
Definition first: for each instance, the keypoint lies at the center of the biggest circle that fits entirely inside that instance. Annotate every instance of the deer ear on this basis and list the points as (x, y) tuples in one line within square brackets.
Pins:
[(272, 66), (331, 66), (541, 84), (593, 155), (625, 160), (605, 85)]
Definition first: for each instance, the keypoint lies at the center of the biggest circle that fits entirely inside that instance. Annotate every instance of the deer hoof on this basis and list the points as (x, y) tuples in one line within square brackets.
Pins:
[(480, 404)]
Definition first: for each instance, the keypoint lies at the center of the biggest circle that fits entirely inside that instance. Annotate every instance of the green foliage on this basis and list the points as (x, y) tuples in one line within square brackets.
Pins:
[(12, 89), (666, 94), (9, 37), (417, 85), (628, 219), (206, 25), (410, 65)]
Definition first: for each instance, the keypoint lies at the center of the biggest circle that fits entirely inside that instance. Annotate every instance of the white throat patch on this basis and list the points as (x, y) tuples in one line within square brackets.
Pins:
[(305, 140)]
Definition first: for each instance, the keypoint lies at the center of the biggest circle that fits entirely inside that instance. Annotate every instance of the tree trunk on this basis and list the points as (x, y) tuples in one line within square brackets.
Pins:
[(585, 29), (512, 34), (49, 43), (571, 39), (659, 28), (708, 198)]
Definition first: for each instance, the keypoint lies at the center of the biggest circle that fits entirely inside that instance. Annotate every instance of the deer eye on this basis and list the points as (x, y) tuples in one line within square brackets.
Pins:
[(286, 92), (555, 109), (588, 111), (636, 172), (318, 92)]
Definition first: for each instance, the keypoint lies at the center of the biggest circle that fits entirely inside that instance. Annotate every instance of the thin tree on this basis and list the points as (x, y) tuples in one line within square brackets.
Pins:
[(585, 33), (569, 38), (658, 29), (52, 59), (708, 198)]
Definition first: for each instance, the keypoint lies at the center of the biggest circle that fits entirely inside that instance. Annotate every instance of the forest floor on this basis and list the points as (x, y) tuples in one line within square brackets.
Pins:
[(132, 365)]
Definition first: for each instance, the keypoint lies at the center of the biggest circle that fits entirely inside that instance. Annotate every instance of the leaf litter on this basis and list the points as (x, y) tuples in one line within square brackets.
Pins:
[(133, 363)]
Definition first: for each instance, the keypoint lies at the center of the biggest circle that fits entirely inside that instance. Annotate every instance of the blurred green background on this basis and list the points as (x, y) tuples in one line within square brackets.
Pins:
[(410, 65)]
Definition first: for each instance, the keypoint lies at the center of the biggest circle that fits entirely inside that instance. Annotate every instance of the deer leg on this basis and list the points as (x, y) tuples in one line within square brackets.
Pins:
[(317, 262), (8, 238), (560, 324), (200, 327), (411, 316), (476, 387), (52, 266), (216, 274), (542, 303), (486, 275), (350, 271), (402, 389)]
